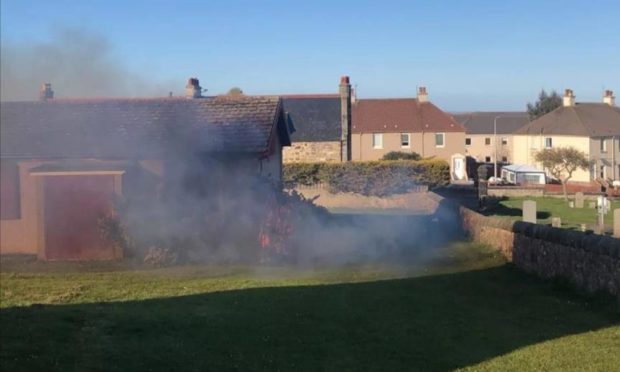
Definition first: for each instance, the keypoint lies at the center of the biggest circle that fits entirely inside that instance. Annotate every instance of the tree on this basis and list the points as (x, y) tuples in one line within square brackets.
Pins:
[(235, 91), (545, 103), (562, 162)]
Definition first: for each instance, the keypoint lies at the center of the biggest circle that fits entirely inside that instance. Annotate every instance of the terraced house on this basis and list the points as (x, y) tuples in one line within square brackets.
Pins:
[(489, 135), (416, 125), (591, 127)]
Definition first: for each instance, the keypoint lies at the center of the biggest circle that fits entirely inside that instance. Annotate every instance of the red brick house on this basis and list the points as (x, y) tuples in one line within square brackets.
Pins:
[(64, 161)]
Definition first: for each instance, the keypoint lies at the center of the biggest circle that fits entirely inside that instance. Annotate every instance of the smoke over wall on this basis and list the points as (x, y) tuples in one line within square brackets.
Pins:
[(77, 62)]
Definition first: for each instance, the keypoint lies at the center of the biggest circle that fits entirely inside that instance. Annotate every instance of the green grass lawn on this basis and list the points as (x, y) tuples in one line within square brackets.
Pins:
[(548, 207), (463, 307)]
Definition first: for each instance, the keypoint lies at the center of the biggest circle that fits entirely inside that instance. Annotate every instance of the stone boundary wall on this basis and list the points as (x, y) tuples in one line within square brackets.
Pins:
[(588, 261), (307, 152)]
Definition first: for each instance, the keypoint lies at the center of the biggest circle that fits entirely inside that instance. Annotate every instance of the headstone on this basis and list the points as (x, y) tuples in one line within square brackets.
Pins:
[(592, 205), (579, 200), (617, 223), (529, 211), (600, 224), (556, 222), (571, 204), (583, 227)]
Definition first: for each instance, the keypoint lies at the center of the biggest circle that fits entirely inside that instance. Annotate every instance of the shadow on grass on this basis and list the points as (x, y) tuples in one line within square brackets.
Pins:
[(428, 323), (503, 210)]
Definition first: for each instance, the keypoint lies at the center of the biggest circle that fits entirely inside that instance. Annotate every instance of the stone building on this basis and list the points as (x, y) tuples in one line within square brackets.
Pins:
[(322, 126)]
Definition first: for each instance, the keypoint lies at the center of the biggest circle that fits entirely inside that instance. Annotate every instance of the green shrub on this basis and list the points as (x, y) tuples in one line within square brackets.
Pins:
[(400, 155), (377, 178)]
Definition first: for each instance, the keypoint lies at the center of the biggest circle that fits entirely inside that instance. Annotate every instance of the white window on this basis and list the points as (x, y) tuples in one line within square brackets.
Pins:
[(467, 141), (504, 141), (603, 145), (377, 140), (404, 140), (439, 139), (548, 142)]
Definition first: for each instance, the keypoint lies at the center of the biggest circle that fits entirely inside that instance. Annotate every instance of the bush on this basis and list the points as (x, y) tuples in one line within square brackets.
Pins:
[(377, 178), (399, 155)]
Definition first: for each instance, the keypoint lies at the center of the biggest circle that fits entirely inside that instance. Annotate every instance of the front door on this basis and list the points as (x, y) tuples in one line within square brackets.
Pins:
[(73, 207)]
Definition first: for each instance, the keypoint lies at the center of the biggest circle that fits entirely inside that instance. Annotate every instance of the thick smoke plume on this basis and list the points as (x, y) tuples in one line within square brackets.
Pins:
[(77, 62)]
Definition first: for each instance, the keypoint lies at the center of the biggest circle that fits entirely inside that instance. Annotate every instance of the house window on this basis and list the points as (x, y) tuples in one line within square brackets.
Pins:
[(439, 139), (9, 190), (487, 159), (467, 141), (377, 140), (487, 141), (548, 142), (603, 145), (603, 172), (504, 159), (504, 141), (404, 140)]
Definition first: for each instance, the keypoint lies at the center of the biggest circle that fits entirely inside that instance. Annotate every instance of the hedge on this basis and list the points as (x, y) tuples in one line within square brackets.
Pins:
[(377, 178)]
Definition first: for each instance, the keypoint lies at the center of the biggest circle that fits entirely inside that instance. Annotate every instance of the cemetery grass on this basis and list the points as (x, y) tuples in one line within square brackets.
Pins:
[(548, 207), (462, 307)]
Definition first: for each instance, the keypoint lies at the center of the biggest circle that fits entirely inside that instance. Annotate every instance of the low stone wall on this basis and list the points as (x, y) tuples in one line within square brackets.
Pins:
[(307, 152), (590, 262), (512, 191)]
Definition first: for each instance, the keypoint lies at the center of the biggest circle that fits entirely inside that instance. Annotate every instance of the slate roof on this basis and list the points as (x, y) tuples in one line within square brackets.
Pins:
[(582, 119), (482, 122), (122, 128), (315, 118), (400, 115)]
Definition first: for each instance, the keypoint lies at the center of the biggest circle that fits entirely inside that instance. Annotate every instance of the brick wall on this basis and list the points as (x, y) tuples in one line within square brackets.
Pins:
[(328, 151)]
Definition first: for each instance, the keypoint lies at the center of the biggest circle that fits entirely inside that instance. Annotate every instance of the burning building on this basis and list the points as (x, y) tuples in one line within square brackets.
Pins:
[(65, 161)]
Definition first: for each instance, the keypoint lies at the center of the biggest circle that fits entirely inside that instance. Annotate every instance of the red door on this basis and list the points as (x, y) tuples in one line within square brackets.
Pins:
[(73, 206)]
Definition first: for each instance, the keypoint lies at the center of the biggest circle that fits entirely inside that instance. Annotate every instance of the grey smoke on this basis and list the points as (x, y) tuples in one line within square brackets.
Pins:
[(78, 63)]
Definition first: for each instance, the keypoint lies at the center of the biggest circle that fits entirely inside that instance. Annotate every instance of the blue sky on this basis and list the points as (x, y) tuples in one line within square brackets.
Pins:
[(472, 55)]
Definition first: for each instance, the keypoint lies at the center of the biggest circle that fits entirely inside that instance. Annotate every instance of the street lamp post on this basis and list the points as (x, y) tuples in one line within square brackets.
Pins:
[(495, 144)]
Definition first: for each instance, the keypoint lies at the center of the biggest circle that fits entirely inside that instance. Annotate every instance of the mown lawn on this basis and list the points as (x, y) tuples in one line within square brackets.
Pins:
[(549, 207), (461, 308)]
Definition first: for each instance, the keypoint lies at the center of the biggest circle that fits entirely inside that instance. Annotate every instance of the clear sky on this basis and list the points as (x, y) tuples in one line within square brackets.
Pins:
[(471, 55)]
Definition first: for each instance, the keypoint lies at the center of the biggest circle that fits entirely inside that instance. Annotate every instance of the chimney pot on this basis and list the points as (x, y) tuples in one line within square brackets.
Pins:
[(608, 98), (46, 92), (193, 88), (344, 80), (422, 94), (569, 98)]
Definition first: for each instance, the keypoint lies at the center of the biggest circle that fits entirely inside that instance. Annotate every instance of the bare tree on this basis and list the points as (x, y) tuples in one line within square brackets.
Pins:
[(235, 91), (562, 162)]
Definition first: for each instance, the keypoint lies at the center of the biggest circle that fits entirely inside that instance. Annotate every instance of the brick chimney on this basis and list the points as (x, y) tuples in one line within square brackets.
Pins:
[(345, 118), (422, 95), (193, 88), (569, 98), (46, 92), (608, 98)]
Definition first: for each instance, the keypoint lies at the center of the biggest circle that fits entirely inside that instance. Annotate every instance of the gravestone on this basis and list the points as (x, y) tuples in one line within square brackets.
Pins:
[(583, 227), (617, 223), (556, 222), (592, 205), (529, 211), (579, 200)]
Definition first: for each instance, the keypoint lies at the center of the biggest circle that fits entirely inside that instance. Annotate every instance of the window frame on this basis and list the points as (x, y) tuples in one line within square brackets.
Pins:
[(548, 142), (467, 139), (487, 141), (443, 139), (377, 144), (504, 141), (603, 145), (408, 145)]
